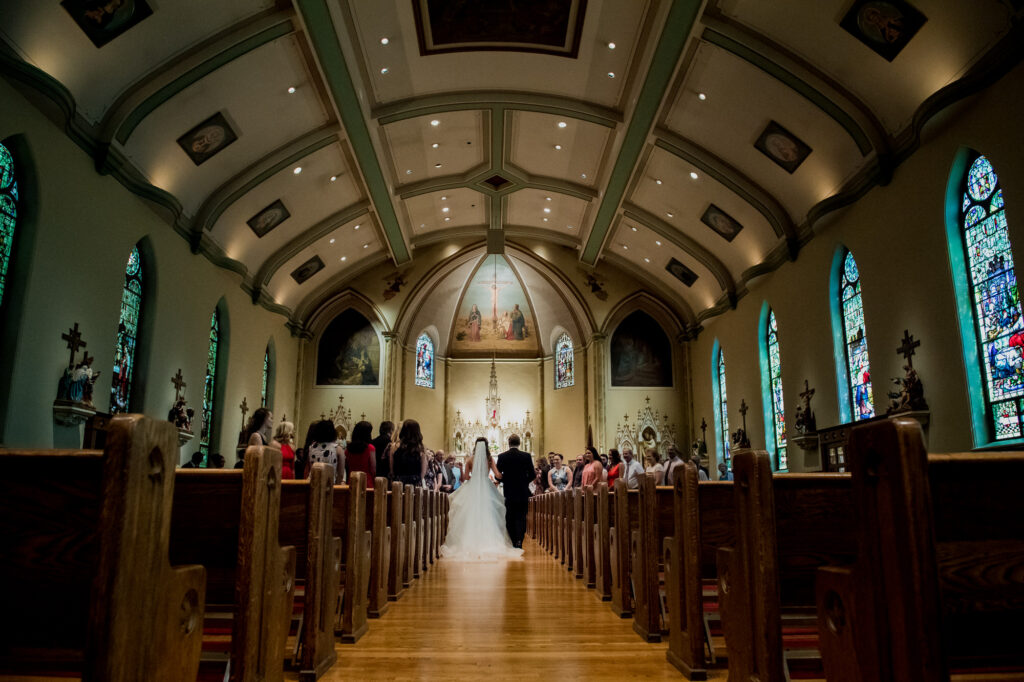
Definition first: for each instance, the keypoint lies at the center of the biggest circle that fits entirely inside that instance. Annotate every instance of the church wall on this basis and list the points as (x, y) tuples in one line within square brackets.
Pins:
[(426, 405), (565, 425), (84, 228), (896, 233)]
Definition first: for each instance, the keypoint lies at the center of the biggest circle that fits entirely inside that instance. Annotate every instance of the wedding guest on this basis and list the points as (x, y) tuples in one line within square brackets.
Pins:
[(444, 475), (655, 467), (632, 470), (259, 428), (535, 483), (701, 474), (194, 463), (542, 462), (285, 437), (592, 469), (322, 446), (456, 474), (577, 472), (217, 461), (675, 461), (723, 472), (558, 475), (380, 447), (408, 460), (360, 454), (615, 470)]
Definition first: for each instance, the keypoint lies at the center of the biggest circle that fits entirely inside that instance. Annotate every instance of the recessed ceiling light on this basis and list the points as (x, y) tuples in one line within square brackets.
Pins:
[(693, 175), (558, 146), (437, 165), (332, 240), (435, 145), (562, 124), (701, 96), (423, 224), (625, 247), (333, 178), (547, 210), (297, 170), (444, 198), (366, 246), (633, 228), (647, 260), (291, 90), (658, 242), (657, 182), (435, 123), (545, 220), (384, 70), (611, 46), (356, 227), (445, 209), (384, 41), (343, 258), (611, 74), (408, 171), (670, 215), (583, 175), (569, 227), (447, 218)]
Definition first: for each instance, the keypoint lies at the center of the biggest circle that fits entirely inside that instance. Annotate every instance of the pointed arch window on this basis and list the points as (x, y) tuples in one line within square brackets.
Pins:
[(209, 388), (424, 361), (127, 335), (565, 375), (266, 377), (997, 328), (721, 403), (856, 401), (771, 388), (8, 214)]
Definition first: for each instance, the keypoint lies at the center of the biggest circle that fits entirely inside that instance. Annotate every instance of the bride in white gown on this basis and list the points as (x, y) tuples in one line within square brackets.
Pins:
[(476, 519)]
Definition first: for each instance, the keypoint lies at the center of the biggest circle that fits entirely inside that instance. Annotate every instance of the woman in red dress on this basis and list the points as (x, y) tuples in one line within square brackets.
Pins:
[(359, 456), (615, 469), (285, 437)]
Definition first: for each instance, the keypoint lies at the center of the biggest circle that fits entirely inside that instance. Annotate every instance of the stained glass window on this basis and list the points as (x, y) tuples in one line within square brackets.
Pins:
[(856, 341), (722, 408), (424, 361), (127, 335), (8, 214), (775, 380), (997, 310), (564, 373), (207, 436), (266, 377)]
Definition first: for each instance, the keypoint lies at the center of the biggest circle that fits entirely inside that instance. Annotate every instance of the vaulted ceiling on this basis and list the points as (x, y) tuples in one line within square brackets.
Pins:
[(695, 145)]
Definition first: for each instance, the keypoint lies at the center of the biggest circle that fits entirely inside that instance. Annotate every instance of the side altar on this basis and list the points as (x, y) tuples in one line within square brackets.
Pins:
[(650, 431)]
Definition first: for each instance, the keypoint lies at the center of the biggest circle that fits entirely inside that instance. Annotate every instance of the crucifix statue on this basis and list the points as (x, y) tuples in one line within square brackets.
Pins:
[(739, 438), (179, 384), (244, 407), (74, 339), (906, 349), (909, 395), (805, 422)]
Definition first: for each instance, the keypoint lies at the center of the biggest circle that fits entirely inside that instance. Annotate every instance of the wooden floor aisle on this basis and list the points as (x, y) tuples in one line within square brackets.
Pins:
[(501, 621)]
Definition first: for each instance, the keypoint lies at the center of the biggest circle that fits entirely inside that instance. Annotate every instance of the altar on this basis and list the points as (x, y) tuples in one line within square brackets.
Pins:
[(650, 431), (464, 432)]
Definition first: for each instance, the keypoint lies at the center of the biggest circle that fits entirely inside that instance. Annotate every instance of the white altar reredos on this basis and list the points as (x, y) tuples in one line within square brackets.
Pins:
[(464, 432), (650, 430)]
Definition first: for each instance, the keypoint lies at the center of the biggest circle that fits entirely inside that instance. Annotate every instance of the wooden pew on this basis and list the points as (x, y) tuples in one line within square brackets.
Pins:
[(228, 521), (409, 571), (655, 524), (588, 536), (377, 501), (627, 519), (88, 587), (429, 500), (937, 586), (396, 524), (558, 526), (787, 526), (350, 526), (567, 527), (306, 522), (419, 528), (602, 542), (577, 543), (703, 521)]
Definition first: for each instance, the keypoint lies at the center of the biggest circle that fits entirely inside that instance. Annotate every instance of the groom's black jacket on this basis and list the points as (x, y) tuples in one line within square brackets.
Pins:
[(516, 469)]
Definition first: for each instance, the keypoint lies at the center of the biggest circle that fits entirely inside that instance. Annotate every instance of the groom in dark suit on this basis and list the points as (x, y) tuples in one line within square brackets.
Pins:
[(516, 469)]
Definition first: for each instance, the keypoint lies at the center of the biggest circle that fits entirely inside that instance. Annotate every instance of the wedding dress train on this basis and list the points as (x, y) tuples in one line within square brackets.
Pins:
[(476, 518)]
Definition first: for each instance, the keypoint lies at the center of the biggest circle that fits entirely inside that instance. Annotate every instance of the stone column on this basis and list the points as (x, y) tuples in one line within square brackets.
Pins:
[(538, 422), (598, 345), (392, 374)]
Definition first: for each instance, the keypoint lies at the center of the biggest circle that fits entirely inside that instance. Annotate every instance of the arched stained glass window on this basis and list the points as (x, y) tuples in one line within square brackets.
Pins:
[(723, 410), (424, 361), (8, 214), (997, 310), (266, 377), (127, 335), (771, 388), (209, 388), (565, 375), (858, 368)]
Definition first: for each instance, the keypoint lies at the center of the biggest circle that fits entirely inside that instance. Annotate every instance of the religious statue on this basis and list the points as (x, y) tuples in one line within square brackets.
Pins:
[(740, 440), (910, 394), (805, 422), (181, 415), (77, 383)]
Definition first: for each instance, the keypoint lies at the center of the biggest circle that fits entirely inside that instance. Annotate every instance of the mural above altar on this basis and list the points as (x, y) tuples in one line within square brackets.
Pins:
[(651, 430), (464, 432)]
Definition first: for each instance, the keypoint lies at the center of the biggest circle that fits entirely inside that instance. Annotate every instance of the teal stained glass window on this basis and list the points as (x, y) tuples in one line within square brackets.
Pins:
[(564, 372), (8, 214), (127, 335), (777, 403), (856, 341), (207, 434), (266, 377), (424, 361), (997, 310), (722, 407)]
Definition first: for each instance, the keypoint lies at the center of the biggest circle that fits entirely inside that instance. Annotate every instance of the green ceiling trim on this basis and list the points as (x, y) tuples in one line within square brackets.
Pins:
[(148, 105), (678, 24), (516, 101), (274, 162), (324, 39), (811, 94)]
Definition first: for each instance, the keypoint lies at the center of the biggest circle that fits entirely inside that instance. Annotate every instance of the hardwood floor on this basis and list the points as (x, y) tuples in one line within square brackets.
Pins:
[(501, 621)]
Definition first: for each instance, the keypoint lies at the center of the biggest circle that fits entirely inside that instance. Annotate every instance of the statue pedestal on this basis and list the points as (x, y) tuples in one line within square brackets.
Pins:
[(922, 416), (184, 437), (72, 413), (806, 442)]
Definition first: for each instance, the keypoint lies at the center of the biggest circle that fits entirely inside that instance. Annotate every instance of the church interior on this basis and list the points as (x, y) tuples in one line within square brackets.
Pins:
[(705, 227)]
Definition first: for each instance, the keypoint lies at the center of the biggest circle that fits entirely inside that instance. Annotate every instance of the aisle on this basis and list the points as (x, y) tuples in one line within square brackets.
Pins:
[(501, 621)]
